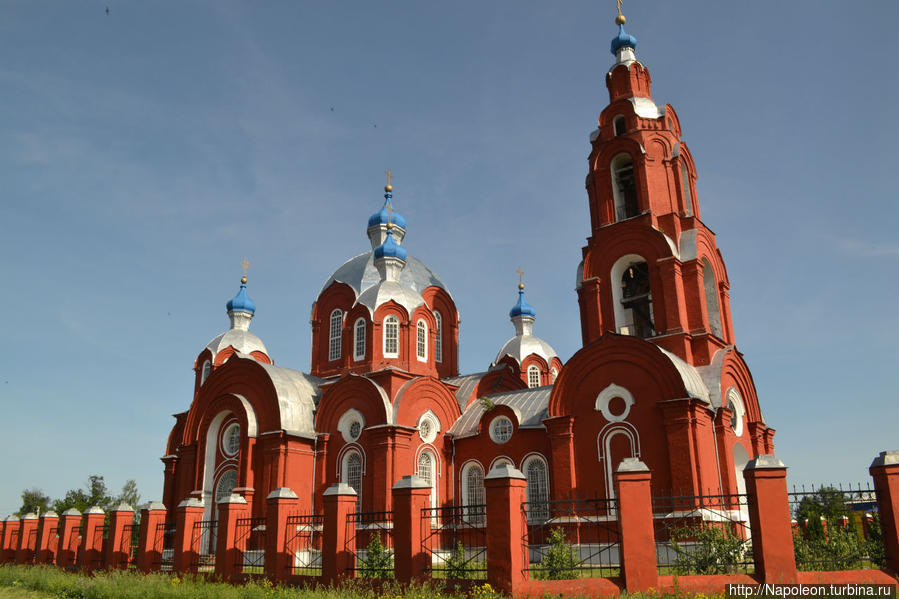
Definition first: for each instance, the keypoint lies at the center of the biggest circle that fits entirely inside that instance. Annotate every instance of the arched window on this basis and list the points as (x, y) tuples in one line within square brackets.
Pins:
[(427, 472), (335, 334), (473, 496), (391, 337), (438, 342), (553, 373), (207, 370), (533, 376), (710, 286), (352, 474), (226, 484), (421, 341), (537, 492), (624, 187), (688, 197), (636, 300), (359, 339), (619, 125)]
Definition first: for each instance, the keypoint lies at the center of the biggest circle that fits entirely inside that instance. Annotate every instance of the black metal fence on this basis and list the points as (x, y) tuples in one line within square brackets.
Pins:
[(569, 539), (249, 539), (455, 538), (703, 534), (203, 544), (128, 542), (164, 546), (370, 540), (836, 528), (304, 544)]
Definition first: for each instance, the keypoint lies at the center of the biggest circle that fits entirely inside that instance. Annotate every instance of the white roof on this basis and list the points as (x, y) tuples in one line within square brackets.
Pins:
[(529, 405)]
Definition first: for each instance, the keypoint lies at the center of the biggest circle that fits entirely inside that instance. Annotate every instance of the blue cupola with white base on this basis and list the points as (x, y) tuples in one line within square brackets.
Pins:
[(379, 221), (522, 308), (390, 248), (241, 302), (623, 40)]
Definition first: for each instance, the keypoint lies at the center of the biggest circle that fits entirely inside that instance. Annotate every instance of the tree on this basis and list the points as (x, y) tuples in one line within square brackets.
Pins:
[(94, 493), (828, 502), (129, 494), (33, 502)]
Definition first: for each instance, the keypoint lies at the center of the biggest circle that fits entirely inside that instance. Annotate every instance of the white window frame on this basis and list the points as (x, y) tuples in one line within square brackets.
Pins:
[(359, 331), (421, 340), (345, 474), (432, 475), (205, 371), (474, 496), (536, 495), (438, 334), (226, 440), (335, 335), (392, 323), (533, 376), (495, 436)]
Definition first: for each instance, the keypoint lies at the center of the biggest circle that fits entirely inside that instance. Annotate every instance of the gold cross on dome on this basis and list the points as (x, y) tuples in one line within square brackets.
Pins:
[(389, 176), (389, 212), (520, 275), (619, 7), (246, 266)]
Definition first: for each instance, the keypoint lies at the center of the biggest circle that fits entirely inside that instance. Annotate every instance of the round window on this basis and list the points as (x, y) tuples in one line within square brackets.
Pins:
[(428, 428), (355, 430), (226, 484), (231, 439), (501, 429)]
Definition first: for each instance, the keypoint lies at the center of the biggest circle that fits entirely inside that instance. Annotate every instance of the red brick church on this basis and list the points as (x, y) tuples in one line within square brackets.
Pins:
[(658, 376)]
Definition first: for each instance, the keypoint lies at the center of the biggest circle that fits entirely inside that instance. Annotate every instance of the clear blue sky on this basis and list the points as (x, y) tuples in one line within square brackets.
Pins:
[(146, 152)]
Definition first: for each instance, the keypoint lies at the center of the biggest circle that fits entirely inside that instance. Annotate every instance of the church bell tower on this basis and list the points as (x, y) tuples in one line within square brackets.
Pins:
[(651, 267)]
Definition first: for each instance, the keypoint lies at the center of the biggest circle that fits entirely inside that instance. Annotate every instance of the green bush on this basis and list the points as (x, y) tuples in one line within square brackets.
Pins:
[(712, 549), (378, 562), (560, 562)]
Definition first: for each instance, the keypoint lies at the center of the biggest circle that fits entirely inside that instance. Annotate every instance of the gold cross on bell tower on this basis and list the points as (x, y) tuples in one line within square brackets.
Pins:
[(246, 266), (520, 278), (388, 188), (620, 20)]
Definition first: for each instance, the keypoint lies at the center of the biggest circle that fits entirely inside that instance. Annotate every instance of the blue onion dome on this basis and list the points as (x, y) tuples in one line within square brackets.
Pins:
[(522, 308), (623, 40), (382, 217), (241, 302), (390, 248)]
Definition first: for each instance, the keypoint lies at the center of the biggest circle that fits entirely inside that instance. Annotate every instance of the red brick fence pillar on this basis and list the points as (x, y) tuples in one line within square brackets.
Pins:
[(27, 539), (885, 471), (280, 504), (91, 555), (67, 550), (769, 519), (117, 552), (47, 539), (635, 526), (337, 560), (228, 556), (149, 544), (411, 495), (505, 487), (188, 512), (10, 540)]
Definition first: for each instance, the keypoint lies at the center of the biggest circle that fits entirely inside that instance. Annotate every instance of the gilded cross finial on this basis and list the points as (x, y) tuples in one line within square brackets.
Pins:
[(246, 266), (520, 278), (389, 212), (620, 20), (388, 188)]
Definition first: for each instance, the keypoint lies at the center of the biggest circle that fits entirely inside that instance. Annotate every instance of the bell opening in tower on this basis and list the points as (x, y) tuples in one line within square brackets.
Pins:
[(626, 205), (637, 300)]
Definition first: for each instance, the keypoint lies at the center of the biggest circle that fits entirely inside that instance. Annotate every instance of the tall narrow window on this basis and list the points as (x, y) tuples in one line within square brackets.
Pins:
[(335, 334), (359, 339), (688, 197), (426, 472), (473, 495), (391, 337), (535, 472), (553, 374), (624, 187), (207, 370), (533, 376), (352, 475), (637, 299), (438, 341), (712, 306), (619, 124), (421, 341)]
